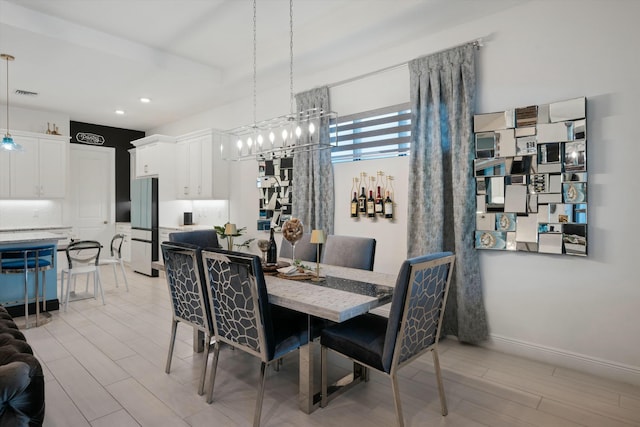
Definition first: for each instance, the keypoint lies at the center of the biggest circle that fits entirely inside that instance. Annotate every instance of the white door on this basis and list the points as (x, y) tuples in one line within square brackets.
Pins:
[(92, 192)]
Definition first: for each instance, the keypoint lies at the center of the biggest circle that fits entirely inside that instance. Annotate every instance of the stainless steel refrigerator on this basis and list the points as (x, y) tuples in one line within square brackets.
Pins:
[(144, 225)]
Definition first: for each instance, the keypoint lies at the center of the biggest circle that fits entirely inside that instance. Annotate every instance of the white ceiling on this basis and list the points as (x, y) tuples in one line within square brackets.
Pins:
[(87, 58)]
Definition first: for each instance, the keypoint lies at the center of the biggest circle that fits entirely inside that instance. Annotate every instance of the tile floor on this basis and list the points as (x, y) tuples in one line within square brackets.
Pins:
[(104, 366)]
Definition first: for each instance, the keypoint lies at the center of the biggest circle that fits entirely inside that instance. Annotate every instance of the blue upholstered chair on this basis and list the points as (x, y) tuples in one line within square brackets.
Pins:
[(413, 326), (349, 251), (243, 317), (305, 250), (200, 238), (184, 273)]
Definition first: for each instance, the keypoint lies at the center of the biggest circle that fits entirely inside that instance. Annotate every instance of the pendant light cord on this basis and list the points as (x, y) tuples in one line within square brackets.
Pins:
[(254, 62), (291, 56), (7, 61)]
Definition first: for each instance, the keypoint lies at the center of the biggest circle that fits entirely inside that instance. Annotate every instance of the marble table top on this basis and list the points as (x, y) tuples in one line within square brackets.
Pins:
[(324, 302)]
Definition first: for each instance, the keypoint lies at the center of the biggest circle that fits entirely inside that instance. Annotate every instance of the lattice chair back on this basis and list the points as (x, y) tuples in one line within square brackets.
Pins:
[(239, 300), (417, 309), (184, 277)]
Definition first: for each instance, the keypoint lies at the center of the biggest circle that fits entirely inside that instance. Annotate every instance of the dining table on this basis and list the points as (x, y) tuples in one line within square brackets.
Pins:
[(342, 294)]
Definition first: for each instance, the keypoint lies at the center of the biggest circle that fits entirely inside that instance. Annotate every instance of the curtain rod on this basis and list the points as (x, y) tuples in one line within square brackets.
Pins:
[(477, 43)]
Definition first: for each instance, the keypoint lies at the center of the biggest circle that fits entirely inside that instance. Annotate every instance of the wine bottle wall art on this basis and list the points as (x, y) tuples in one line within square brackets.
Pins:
[(372, 196)]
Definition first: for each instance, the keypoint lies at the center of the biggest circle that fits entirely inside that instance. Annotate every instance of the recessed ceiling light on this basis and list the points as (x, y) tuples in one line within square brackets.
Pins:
[(119, 112), (145, 100)]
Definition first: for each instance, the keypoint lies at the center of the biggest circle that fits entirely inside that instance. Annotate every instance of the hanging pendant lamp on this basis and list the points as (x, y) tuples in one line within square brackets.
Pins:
[(8, 144)]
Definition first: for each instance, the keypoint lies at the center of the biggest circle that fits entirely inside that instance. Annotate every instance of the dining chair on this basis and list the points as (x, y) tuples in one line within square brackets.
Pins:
[(183, 270), (349, 251), (412, 329), (83, 257), (305, 250), (207, 238), (115, 252), (243, 317)]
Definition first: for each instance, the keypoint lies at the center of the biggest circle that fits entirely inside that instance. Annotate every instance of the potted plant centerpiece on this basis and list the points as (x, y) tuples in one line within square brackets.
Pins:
[(228, 232)]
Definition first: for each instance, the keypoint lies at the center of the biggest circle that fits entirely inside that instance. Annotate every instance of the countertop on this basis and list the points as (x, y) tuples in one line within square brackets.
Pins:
[(32, 237), (34, 228)]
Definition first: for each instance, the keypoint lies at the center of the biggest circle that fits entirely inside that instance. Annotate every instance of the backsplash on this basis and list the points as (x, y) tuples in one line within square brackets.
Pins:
[(27, 213)]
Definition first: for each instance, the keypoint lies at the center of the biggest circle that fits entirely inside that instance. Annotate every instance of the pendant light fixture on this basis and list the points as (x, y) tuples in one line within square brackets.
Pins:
[(8, 144), (287, 133)]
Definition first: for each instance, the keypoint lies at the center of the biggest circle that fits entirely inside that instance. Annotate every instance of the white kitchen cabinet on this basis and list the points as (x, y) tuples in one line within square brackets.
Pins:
[(201, 173), (40, 171), (153, 155)]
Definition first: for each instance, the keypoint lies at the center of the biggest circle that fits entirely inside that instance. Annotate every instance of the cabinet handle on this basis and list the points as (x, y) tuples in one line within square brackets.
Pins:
[(186, 190)]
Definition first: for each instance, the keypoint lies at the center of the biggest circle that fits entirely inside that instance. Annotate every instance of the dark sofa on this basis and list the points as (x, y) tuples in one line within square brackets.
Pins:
[(21, 378)]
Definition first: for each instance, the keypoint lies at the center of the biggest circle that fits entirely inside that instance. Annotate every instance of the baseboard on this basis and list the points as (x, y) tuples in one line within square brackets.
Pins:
[(18, 310), (566, 359)]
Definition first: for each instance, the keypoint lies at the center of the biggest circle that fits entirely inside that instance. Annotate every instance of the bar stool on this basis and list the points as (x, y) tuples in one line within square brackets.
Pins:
[(30, 260)]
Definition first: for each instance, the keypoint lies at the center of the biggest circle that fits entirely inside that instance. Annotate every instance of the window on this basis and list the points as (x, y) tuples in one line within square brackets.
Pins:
[(384, 132)]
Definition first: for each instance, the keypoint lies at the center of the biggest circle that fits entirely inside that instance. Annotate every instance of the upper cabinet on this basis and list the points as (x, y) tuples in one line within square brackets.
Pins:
[(38, 172), (201, 173), (153, 155)]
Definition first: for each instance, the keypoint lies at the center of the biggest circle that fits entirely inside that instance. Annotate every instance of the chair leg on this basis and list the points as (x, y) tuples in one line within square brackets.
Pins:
[(396, 399), (174, 328), (214, 366), (258, 412), (324, 352), (26, 295), (205, 359), (115, 275), (443, 398), (66, 300), (99, 284), (124, 274)]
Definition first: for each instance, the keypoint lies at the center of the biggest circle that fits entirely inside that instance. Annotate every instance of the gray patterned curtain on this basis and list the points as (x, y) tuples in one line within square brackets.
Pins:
[(441, 183), (313, 200)]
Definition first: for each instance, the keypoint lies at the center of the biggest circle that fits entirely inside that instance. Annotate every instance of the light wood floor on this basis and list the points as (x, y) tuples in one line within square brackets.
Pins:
[(104, 366)]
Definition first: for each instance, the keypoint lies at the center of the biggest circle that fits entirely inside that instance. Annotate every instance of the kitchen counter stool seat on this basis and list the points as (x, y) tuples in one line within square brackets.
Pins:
[(30, 260)]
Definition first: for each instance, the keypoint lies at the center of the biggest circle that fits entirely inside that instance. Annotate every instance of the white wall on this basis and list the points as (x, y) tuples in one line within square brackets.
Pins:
[(579, 312), (33, 120)]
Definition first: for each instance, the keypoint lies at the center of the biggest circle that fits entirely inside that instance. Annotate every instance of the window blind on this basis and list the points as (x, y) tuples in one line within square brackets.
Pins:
[(383, 132)]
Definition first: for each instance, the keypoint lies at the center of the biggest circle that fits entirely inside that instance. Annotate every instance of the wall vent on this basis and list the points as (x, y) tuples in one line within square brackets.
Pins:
[(26, 92)]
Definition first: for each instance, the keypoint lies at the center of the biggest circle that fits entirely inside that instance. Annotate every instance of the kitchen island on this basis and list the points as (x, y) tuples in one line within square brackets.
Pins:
[(12, 285)]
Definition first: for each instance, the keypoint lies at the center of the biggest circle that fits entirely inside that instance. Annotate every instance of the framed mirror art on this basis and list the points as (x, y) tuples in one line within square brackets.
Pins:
[(531, 178)]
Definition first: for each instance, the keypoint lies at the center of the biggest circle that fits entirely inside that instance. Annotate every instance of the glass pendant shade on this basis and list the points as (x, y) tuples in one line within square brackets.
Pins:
[(8, 144)]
